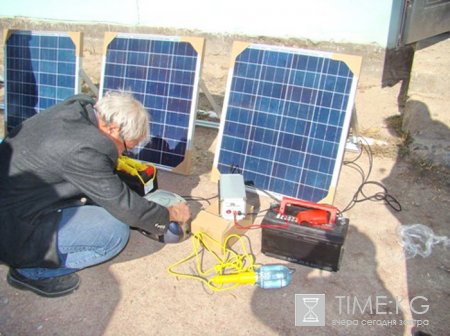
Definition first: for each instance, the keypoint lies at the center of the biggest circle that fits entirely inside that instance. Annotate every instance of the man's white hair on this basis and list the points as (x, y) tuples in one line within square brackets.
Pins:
[(122, 109)]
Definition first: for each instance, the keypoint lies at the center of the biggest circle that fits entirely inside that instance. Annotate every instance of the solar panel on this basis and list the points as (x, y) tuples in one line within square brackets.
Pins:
[(285, 119), (163, 73), (41, 70)]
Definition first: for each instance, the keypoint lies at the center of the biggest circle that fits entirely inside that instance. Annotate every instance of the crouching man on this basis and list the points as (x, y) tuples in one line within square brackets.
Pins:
[(48, 166)]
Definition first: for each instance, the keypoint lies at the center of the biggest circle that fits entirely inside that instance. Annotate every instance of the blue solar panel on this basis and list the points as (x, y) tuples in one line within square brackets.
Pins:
[(286, 118), (163, 73), (41, 70)]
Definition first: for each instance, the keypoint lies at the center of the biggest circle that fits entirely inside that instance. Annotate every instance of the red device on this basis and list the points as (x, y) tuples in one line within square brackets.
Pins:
[(311, 213)]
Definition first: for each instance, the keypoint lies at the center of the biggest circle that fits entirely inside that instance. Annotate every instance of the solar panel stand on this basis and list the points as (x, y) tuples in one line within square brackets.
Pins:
[(354, 123), (352, 144), (88, 81), (210, 98), (215, 112)]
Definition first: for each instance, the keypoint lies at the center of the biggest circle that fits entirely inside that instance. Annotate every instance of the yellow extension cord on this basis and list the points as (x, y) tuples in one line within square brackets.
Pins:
[(242, 266)]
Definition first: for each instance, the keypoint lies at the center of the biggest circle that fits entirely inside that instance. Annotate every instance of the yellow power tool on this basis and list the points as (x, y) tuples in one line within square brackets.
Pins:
[(139, 176)]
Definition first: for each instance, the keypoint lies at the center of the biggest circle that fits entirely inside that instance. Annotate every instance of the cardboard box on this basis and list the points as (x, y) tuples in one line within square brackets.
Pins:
[(212, 224)]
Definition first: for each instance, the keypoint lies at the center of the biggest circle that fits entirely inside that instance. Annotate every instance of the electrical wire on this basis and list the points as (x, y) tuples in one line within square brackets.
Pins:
[(262, 225), (360, 195), (198, 198), (230, 262), (235, 169), (258, 213)]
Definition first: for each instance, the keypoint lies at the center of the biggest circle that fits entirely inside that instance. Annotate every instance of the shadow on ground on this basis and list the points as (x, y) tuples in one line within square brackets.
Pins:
[(350, 294), (425, 195)]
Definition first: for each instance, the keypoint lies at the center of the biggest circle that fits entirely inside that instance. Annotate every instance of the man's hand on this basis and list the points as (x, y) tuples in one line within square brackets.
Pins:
[(179, 213)]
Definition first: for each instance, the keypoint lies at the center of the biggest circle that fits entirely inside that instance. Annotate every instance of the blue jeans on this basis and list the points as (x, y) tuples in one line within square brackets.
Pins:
[(87, 236)]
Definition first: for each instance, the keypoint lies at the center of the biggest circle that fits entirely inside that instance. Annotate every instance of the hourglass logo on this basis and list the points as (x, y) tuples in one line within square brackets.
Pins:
[(310, 309)]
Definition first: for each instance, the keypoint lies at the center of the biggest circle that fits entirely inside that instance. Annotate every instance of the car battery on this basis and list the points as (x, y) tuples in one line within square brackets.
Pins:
[(305, 233)]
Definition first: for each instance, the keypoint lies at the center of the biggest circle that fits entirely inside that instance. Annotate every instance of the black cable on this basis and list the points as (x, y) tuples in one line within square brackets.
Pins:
[(360, 195), (352, 164), (378, 196), (355, 159), (198, 198), (256, 214), (250, 184), (234, 169)]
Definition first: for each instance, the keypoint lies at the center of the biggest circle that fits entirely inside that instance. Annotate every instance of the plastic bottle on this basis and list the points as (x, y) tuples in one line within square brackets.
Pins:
[(273, 276)]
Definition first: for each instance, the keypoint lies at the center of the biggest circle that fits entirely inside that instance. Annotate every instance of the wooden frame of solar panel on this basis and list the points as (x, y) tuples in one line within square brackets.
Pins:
[(41, 70), (163, 73), (286, 118)]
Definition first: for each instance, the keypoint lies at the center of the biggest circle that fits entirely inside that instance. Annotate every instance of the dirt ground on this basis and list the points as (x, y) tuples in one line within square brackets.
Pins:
[(134, 295)]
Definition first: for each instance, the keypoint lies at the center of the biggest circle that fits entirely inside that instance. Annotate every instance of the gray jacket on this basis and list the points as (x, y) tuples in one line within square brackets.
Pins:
[(50, 162)]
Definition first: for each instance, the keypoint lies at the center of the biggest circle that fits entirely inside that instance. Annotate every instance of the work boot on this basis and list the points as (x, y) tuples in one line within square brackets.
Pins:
[(49, 287)]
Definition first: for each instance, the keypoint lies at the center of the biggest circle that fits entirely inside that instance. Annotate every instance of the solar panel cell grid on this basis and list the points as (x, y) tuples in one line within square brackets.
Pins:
[(41, 70), (163, 73), (285, 119)]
